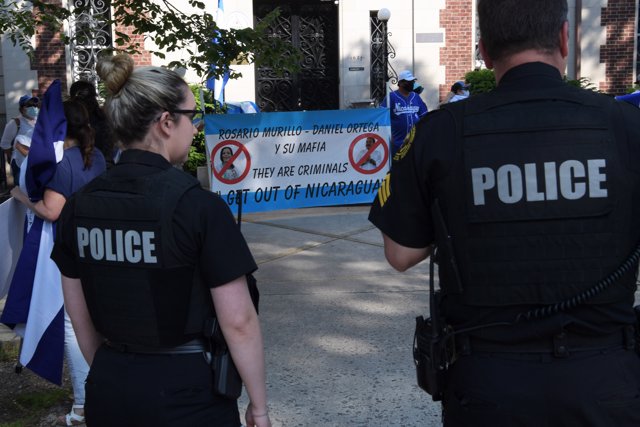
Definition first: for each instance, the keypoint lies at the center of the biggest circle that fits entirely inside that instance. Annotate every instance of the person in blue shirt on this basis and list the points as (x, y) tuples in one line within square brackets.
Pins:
[(406, 107)]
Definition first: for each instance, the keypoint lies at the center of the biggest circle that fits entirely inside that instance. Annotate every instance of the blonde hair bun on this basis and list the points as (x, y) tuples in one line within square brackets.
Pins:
[(114, 71)]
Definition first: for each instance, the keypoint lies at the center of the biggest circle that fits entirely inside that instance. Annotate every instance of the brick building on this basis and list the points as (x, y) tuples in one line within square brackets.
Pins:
[(345, 40)]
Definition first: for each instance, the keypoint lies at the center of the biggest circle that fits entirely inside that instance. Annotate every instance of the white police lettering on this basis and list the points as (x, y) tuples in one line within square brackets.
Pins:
[(515, 183), (130, 246)]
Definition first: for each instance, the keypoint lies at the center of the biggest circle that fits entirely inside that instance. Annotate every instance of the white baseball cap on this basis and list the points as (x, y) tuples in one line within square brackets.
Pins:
[(406, 75)]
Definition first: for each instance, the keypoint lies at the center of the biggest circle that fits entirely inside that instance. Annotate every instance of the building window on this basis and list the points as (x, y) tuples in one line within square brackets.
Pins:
[(90, 33), (381, 52)]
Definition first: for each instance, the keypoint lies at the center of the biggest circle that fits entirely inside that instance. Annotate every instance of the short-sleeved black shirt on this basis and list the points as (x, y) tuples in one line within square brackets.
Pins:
[(402, 211), (204, 228)]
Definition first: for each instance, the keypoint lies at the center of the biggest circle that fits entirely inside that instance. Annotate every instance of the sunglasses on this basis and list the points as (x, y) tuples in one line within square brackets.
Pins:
[(195, 116)]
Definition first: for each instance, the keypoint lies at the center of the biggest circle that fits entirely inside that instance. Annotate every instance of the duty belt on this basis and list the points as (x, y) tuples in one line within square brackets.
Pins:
[(193, 346), (559, 345)]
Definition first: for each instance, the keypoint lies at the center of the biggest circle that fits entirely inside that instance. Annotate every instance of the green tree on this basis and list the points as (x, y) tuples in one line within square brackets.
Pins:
[(171, 28), (480, 81)]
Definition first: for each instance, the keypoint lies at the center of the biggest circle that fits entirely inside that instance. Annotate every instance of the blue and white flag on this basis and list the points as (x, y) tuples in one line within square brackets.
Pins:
[(34, 306), (217, 84), (631, 98)]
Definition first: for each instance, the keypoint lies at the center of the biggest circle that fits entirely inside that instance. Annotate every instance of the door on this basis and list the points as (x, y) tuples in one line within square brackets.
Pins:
[(311, 27)]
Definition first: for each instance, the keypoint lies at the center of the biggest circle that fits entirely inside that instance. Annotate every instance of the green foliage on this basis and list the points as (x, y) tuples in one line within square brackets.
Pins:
[(480, 81), (190, 30), (9, 350), (41, 399), (198, 150), (582, 82), (28, 408), (20, 23), (483, 80)]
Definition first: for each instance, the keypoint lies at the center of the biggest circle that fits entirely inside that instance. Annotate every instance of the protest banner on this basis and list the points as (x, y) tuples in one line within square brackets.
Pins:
[(287, 160)]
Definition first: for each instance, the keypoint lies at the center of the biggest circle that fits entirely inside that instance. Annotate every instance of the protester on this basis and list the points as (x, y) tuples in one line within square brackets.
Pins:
[(20, 129), (79, 165), (85, 92), (459, 91), (529, 193), (139, 303), (405, 107)]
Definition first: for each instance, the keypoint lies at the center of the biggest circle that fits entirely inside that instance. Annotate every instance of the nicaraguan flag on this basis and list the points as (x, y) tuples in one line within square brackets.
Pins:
[(34, 306), (217, 85), (631, 98)]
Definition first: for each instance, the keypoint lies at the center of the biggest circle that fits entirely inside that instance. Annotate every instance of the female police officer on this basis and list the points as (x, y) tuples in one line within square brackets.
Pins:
[(139, 249)]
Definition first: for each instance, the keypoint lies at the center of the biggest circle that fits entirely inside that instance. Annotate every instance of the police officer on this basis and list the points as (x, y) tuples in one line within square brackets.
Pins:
[(530, 195), (146, 256)]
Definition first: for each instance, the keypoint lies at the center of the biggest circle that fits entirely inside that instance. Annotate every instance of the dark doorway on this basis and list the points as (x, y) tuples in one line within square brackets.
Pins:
[(311, 27)]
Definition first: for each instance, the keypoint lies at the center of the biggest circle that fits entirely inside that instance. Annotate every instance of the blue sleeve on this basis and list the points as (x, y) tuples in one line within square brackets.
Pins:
[(423, 108), (61, 181)]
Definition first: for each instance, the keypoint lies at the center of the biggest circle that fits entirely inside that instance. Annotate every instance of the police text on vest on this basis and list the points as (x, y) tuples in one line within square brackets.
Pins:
[(514, 183), (130, 246)]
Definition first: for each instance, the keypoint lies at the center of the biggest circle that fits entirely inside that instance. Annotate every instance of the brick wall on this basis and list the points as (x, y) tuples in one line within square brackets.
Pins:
[(457, 53), (49, 58), (618, 53), (144, 57)]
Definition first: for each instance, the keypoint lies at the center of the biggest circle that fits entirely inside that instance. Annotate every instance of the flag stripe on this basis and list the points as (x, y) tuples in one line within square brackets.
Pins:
[(16, 307), (37, 307)]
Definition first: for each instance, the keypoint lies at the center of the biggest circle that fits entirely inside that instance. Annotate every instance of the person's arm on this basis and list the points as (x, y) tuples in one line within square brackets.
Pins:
[(48, 208), (241, 330), (8, 135), (402, 257), (23, 149), (75, 304)]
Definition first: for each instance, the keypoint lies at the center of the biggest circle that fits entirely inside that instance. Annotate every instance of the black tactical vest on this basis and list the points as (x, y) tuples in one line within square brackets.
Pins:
[(538, 202), (139, 288)]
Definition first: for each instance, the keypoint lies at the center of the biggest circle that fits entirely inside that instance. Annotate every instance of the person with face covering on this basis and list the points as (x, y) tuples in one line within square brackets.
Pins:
[(459, 91), (16, 138), (406, 107), (147, 258), (80, 164)]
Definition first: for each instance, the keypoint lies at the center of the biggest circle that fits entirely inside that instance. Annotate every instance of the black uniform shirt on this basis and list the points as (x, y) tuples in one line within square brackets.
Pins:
[(204, 228), (402, 211)]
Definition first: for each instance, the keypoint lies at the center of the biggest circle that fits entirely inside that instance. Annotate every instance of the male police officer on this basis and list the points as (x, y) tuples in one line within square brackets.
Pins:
[(531, 195)]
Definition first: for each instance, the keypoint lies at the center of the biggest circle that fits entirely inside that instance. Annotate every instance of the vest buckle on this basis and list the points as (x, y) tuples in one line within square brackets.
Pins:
[(561, 345)]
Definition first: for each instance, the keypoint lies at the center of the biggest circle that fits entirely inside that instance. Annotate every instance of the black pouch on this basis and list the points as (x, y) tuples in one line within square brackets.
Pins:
[(226, 379), (429, 356)]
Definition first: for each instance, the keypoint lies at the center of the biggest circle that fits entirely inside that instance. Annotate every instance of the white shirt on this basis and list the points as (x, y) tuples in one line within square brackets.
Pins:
[(11, 132)]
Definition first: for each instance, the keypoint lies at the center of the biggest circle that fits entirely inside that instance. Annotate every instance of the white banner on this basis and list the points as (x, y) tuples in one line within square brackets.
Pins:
[(298, 159)]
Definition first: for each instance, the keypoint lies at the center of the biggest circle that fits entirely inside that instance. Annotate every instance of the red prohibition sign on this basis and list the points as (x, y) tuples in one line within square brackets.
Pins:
[(378, 141), (240, 149)]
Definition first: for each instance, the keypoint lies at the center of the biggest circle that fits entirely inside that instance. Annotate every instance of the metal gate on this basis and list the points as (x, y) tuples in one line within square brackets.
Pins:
[(311, 27)]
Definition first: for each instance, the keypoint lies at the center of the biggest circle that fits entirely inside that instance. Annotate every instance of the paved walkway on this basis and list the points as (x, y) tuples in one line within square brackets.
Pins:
[(338, 321)]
